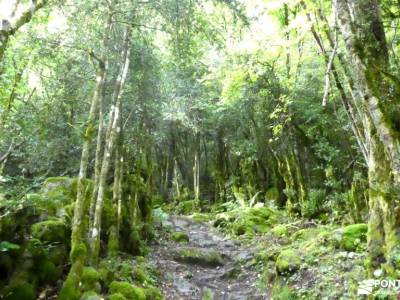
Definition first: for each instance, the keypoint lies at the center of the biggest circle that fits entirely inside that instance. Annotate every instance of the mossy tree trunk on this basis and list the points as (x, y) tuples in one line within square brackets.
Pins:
[(115, 128), (361, 25), (78, 245)]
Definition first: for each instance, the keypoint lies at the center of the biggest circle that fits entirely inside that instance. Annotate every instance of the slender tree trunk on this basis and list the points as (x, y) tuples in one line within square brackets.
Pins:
[(77, 234), (78, 246), (196, 169), (115, 128)]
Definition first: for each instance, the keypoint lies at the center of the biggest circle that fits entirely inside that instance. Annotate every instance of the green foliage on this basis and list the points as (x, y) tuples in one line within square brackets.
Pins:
[(312, 207), (9, 247), (248, 221)]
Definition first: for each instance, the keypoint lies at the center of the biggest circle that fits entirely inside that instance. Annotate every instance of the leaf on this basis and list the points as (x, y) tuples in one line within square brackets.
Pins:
[(7, 246)]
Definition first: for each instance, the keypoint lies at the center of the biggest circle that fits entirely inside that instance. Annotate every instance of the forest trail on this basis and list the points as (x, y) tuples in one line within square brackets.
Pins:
[(195, 278)]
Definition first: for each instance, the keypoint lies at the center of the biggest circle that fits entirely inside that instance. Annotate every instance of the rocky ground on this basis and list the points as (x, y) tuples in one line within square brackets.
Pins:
[(196, 262)]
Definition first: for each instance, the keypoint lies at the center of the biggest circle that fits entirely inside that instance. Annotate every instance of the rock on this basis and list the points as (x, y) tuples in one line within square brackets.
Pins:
[(287, 261), (203, 257), (91, 296), (180, 237), (117, 296), (90, 280), (19, 291), (349, 237), (280, 230), (53, 231)]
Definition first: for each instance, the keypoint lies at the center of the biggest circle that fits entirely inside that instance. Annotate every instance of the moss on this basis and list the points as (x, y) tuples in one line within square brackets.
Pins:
[(207, 295), (70, 290), (180, 237), (78, 252), (280, 230), (350, 237), (139, 275), (53, 231), (153, 293), (198, 256), (117, 296), (148, 231), (57, 254), (20, 291), (288, 261), (48, 272), (129, 291), (90, 279), (91, 295)]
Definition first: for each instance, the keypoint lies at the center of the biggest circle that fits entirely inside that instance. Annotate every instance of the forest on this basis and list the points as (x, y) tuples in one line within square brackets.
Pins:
[(199, 149)]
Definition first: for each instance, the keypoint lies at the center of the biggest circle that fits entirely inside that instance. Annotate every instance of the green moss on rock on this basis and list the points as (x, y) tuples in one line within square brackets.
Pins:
[(129, 291), (288, 261), (180, 237), (280, 230), (90, 279), (53, 231), (48, 273), (350, 237), (117, 296), (91, 295), (20, 291), (198, 256)]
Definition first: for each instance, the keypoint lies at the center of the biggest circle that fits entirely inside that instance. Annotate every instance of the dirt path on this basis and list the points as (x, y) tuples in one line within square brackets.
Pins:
[(183, 280)]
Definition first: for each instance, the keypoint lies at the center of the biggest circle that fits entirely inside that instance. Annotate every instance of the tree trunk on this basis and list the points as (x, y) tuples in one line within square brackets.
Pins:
[(361, 25), (115, 128)]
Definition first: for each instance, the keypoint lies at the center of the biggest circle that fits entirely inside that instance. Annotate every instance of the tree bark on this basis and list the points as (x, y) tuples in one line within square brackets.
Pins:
[(364, 35), (115, 128)]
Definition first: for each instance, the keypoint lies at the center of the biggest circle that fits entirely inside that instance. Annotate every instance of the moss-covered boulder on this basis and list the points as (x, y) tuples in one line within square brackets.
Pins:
[(280, 230), (90, 280), (91, 295), (117, 296), (48, 272), (351, 237), (203, 257), (288, 261), (180, 237), (129, 291), (52, 231), (19, 291)]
